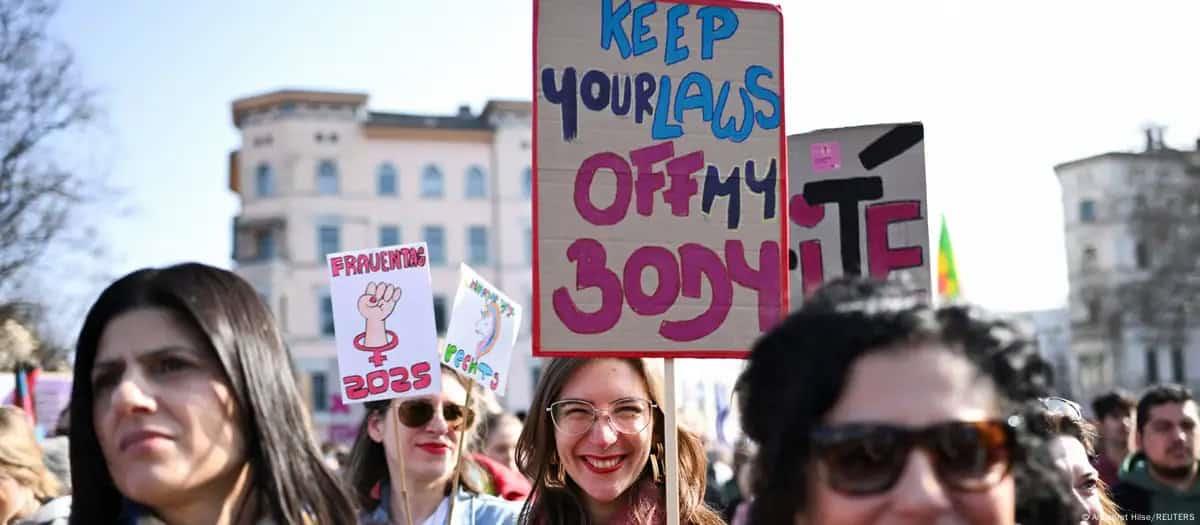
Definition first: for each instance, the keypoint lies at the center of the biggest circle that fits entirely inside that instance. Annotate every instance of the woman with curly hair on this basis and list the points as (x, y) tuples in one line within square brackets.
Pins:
[(870, 406)]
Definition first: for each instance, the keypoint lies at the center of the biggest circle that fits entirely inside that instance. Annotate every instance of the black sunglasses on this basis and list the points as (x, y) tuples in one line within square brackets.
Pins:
[(868, 458), (419, 412)]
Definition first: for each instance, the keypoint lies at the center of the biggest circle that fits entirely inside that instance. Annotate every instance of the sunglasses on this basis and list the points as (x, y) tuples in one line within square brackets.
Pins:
[(861, 459), (419, 412)]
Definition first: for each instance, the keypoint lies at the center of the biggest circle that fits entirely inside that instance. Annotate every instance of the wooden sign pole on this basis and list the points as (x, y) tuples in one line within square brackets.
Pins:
[(462, 435), (671, 436), (400, 453)]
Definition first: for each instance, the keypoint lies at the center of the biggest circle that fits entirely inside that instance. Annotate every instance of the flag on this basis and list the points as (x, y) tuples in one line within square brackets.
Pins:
[(948, 287), (23, 394)]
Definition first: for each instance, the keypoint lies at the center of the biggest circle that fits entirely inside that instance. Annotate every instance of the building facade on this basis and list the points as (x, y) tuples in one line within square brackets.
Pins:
[(1100, 196), (319, 172)]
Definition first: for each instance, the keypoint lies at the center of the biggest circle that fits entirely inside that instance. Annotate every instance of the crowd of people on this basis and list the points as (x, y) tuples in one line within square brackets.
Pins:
[(865, 405)]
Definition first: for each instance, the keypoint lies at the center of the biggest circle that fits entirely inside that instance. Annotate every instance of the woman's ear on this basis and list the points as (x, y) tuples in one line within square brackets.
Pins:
[(375, 425)]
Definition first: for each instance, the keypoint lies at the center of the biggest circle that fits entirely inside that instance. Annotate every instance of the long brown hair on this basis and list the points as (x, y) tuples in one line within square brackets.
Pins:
[(21, 457), (1064, 425), (368, 465), (536, 448)]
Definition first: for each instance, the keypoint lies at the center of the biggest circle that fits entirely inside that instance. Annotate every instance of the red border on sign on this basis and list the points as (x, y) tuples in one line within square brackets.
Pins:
[(781, 207)]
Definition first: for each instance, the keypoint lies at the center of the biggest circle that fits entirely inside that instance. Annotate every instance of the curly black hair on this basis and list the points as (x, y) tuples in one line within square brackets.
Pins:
[(801, 367)]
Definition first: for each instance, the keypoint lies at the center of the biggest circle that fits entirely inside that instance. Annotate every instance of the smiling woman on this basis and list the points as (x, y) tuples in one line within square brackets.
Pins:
[(185, 410), (593, 446)]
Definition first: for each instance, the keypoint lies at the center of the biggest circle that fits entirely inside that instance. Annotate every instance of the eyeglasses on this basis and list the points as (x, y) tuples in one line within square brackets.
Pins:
[(419, 412), (1062, 406), (861, 459), (627, 416)]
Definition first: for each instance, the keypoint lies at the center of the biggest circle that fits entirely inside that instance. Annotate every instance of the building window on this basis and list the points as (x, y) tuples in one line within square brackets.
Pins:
[(476, 184), (1151, 365), (1087, 211), (328, 241), (1177, 365), (1089, 257), (327, 178), (435, 239), (265, 245), (320, 392), (527, 182), (1093, 310), (264, 180), (433, 186), (528, 244), (386, 180), (326, 314), (477, 245), (439, 313), (389, 235), (1142, 255)]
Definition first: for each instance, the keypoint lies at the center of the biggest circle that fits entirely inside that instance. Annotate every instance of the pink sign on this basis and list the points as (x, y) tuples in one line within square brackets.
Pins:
[(826, 156)]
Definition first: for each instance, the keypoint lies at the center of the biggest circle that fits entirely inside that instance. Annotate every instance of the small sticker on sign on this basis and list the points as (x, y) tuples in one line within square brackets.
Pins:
[(826, 156)]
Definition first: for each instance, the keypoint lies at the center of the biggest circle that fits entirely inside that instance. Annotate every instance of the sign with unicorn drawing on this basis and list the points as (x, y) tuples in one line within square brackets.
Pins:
[(483, 329)]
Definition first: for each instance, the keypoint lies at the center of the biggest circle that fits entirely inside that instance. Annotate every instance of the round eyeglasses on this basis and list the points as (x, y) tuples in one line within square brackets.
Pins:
[(627, 416)]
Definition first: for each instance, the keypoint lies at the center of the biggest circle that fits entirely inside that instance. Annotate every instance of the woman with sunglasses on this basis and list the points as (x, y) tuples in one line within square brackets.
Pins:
[(593, 444), (185, 410), (1071, 442), (871, 407), (423, 432)]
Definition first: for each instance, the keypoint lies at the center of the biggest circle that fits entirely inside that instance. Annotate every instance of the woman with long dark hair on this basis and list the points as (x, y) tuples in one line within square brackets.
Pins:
[(593, 445), (185, 410)]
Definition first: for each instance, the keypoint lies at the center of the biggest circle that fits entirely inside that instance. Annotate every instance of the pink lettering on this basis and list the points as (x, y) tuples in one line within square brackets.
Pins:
[(881, 257), (616, 211)]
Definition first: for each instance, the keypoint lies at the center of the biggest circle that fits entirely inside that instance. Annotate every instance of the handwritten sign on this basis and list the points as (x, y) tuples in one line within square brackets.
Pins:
[(659, 177), (383, 322), (858, 205), (483, 329)]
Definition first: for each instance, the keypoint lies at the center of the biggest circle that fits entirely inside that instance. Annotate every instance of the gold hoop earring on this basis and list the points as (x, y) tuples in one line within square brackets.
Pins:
[(656, 471), (556, 478)]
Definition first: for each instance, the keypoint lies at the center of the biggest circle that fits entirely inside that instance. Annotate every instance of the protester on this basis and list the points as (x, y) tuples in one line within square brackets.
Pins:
[(593, 444), (498, 458), (1071, 445), (426, 432), (500, 433), (870, 406), (1160, 480), (28, 490), (185, 410), (1114, 415), (738, 492)]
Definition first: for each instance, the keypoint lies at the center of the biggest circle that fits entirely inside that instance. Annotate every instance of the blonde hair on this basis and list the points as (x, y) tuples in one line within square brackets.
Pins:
[(21, 456)]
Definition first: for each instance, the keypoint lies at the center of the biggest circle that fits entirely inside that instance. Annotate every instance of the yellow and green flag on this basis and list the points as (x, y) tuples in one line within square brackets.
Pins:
[(947, 276)]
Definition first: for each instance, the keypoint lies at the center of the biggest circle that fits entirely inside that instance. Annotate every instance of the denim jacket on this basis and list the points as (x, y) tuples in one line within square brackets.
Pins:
[(469, 509)]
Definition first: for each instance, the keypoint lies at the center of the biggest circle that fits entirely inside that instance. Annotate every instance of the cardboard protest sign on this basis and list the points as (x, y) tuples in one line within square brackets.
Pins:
[(383, 322), (483, 329), (858, 205), (658, 177)]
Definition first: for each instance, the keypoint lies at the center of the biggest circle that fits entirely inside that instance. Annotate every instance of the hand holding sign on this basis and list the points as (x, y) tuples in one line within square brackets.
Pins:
[(375, 305)]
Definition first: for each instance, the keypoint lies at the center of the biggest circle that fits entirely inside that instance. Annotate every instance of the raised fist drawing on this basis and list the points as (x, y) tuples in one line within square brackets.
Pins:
[(376, 304)]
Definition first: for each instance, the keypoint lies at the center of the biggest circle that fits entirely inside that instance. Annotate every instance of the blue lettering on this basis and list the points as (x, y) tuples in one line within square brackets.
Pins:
[(619, 108), (766, 95), (642, 45), (710, 32), (674, 33), (685, 100), (645, 90), (729, 129), (612, 27), (564, 96), (593, 89), (661, 130), (730, 187), (765, 187)]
